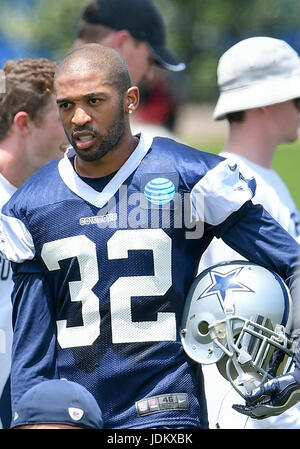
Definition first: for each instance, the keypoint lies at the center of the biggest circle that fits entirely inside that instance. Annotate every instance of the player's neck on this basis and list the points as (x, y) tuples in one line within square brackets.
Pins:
[(109, 163), (255, 147)]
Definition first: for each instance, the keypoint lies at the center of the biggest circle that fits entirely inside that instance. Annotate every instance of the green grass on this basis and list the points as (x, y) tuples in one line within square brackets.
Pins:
[(286, 162)]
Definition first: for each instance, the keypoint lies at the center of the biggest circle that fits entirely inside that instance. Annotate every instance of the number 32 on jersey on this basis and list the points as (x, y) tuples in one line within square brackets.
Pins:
[(124, 330)]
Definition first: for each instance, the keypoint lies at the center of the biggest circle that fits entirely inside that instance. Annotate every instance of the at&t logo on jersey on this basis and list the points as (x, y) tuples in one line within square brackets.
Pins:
[(159, 191)]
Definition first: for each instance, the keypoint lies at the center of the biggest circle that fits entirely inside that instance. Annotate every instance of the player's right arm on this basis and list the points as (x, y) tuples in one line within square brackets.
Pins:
[(34, 338)]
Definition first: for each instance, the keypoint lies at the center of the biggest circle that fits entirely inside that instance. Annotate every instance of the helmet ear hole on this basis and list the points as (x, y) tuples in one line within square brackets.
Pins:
[(203, 327)]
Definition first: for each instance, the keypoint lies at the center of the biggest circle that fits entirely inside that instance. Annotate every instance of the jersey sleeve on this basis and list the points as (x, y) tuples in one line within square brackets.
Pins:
[(222, 200), (254, 234), (222, 191), (16, 243), (34, 339)]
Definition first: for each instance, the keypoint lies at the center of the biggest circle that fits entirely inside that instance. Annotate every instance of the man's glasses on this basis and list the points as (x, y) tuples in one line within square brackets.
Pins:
[(297, 103)]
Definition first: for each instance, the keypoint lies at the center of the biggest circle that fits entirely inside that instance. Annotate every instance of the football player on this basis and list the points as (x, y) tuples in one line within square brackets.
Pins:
[(105, 244)]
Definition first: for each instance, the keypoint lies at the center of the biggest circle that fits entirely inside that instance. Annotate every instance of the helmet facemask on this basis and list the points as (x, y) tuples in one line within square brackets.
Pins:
[(253, 351)]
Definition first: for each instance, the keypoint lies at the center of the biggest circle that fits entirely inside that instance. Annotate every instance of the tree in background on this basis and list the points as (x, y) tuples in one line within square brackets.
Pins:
[(202, 30), (39, 27), (198, 30)]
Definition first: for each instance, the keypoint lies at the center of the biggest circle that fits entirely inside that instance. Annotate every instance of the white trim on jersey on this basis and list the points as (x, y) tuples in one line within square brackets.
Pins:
[(222, 191), (6, 286), (86, 192), (15, 249), (21, 249)]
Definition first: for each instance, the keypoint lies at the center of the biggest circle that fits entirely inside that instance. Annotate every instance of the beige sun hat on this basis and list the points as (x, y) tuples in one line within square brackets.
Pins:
[(255, 72)]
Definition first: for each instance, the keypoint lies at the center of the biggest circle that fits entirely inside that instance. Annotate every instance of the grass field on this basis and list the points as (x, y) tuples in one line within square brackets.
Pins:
[(286, 162)]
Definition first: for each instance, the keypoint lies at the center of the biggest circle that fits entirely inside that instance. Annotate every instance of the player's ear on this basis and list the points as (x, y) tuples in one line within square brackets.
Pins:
[(119, 39), (22, 123), (132, 98)]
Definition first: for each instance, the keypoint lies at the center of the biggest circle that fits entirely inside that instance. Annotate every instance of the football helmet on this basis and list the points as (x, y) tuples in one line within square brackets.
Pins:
[(239, 315)]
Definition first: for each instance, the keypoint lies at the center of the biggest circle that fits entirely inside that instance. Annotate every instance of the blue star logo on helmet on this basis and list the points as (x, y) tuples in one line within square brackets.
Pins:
[(159, 191), (223, 282)]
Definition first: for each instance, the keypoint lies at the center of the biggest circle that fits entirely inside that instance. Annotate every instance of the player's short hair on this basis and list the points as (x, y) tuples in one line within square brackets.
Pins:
[(90, 32), (28, 87), (100, 57)]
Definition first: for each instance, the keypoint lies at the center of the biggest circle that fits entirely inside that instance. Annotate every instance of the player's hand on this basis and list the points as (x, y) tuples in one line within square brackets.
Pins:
[(272, 398)]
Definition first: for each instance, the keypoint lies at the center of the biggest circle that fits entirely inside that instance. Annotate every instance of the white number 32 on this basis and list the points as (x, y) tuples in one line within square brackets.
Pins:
[(124, 329)]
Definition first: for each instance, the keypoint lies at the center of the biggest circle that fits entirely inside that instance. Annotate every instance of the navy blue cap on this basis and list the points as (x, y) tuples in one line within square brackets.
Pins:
[(58, 402), (142, 19)]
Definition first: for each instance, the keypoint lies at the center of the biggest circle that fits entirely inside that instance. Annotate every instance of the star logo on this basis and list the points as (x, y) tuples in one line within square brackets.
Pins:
[(222, 283)]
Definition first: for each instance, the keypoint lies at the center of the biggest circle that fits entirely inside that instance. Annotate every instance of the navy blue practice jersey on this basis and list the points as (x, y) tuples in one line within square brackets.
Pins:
[(102, 269)]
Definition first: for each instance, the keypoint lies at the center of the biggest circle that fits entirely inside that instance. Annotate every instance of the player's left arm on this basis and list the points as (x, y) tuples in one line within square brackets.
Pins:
[(222, 199), (259, 238), (254, 234)]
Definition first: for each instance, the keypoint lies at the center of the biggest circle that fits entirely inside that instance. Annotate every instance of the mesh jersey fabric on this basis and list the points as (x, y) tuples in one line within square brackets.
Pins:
[(100, 294)]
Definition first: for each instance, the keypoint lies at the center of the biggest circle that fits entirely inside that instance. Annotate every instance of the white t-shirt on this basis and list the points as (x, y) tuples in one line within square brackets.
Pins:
[(6, 284), (273, 194)]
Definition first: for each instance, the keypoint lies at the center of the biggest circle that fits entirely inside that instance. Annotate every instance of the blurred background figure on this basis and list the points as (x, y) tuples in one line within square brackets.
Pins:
[(159, 103), (30, 136), (137, 31), (259, 82), (57, 404)]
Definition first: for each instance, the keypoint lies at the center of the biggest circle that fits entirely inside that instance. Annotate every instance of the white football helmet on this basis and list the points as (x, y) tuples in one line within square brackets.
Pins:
[(239, 315)]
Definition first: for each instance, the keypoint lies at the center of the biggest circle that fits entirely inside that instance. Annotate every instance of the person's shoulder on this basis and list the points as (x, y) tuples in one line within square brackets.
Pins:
[(46, 173), (36, 189), (42, 177)]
